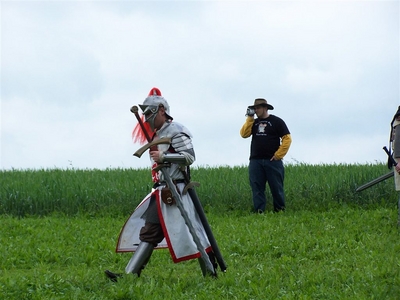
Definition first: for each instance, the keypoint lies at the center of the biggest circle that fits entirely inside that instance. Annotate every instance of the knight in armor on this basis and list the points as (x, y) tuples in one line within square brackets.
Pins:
[(157, 222), (395, 145)]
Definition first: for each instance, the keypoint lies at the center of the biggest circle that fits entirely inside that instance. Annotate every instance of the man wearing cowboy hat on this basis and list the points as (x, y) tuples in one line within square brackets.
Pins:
[(269, 144)]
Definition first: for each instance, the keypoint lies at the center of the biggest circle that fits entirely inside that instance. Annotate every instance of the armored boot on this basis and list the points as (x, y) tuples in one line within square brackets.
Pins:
[(137, 263), (140, 258), (204, 268)]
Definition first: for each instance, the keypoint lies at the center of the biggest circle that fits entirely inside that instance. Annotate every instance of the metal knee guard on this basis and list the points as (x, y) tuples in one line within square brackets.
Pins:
[(139, 258)]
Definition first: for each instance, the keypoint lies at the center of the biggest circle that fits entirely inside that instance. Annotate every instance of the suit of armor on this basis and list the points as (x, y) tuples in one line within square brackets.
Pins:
[(155, 223)]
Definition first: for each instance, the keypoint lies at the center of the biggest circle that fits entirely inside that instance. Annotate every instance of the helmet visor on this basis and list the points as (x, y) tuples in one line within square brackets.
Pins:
[(149, 111)]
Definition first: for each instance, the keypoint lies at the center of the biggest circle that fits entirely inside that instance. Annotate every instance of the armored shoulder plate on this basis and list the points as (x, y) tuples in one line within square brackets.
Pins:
[(172, 128)]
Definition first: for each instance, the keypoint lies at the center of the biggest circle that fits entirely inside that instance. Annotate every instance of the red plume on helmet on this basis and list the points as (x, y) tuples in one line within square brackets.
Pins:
[(155, 92), (138, 135)]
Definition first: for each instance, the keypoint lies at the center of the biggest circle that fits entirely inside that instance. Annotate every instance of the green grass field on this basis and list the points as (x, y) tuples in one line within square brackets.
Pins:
[(59, 231)]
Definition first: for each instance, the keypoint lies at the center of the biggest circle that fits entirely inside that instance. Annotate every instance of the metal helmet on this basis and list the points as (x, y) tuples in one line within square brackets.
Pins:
[(152, 104)]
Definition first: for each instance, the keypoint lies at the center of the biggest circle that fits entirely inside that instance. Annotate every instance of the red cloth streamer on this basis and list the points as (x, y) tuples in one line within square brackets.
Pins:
[(138, 136)]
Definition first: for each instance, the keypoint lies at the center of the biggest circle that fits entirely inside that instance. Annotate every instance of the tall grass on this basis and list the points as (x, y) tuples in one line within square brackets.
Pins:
[(222, 189)]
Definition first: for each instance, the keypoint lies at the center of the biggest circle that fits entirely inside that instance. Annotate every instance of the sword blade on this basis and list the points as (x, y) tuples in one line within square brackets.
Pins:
[(375, 181), (200, 248)]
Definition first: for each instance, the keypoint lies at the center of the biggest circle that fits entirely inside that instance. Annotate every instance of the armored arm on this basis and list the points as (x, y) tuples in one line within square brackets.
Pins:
[(184, 152)]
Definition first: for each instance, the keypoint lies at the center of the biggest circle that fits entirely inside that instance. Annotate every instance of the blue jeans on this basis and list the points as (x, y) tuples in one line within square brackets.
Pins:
[(262, 171)]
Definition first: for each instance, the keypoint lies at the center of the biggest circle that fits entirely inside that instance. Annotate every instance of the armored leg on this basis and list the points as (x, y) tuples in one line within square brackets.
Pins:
[(204, 268), (140, 258)]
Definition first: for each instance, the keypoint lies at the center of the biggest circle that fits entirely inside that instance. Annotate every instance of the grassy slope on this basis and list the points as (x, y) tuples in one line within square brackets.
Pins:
[(331, 243), (339, 254)]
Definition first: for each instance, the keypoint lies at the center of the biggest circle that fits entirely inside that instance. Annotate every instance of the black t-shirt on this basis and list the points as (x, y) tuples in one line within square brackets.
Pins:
[(266, 136)]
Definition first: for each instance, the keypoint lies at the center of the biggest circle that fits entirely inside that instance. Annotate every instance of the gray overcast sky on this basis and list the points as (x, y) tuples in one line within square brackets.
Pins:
[(71, 70)]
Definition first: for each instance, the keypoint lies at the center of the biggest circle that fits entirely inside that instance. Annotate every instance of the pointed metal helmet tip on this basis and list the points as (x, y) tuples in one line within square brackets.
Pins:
[(155, 92)]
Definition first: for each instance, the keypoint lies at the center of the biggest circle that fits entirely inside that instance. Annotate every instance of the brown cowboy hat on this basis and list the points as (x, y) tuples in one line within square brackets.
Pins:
[(261, 102)]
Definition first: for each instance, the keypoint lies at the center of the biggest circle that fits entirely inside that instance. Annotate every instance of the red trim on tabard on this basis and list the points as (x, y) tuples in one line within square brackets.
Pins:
[(122, 229), (119, 237), (174, 258), (171, 250)]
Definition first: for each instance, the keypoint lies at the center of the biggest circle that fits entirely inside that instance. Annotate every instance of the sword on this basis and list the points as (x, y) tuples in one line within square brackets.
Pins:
[(375, 181), (206, 225), (176, 195), (188, 223), (394, 163), (380, 178)]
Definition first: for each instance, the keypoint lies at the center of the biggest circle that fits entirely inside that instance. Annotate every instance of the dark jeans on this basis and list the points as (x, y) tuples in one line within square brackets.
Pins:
[(262, 171)]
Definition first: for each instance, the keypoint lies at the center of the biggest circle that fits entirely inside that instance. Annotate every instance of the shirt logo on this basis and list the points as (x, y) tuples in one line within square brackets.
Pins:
[(261, 127)]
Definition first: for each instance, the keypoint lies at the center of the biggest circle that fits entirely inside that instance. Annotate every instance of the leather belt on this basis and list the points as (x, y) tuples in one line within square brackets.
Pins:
[(160, 183)]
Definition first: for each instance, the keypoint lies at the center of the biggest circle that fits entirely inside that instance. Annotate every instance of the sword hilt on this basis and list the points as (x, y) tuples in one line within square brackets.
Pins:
[(392, 160)]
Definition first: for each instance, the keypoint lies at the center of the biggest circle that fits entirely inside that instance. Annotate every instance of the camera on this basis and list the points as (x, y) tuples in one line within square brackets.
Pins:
[(250, 112)]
